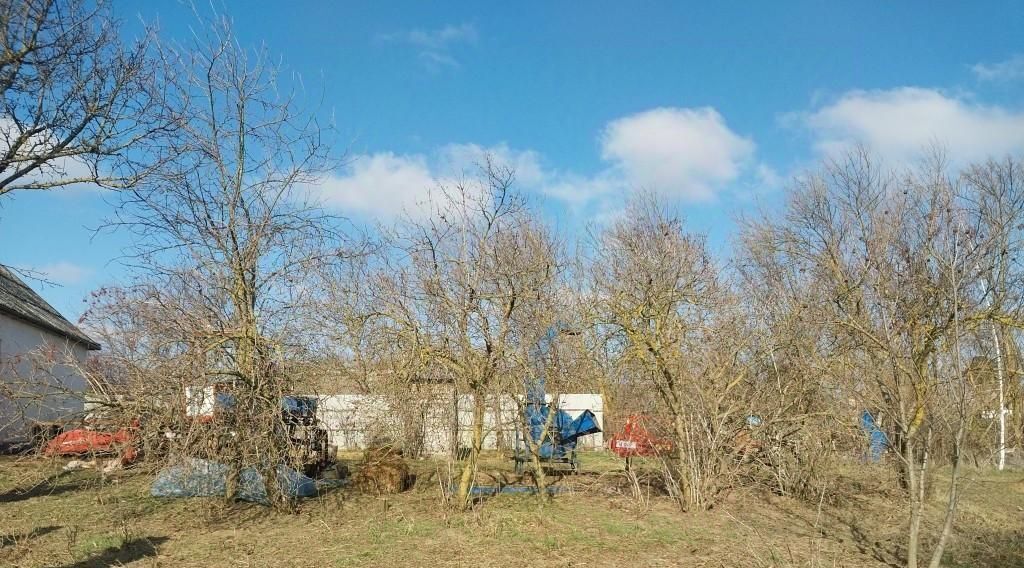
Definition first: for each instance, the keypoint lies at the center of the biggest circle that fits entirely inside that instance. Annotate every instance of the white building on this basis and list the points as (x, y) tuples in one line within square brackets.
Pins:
[(353, 420), (41, 353)]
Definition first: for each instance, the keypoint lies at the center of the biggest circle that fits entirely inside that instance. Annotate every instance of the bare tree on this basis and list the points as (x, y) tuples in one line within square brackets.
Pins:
[(550, 358), (456, 284), (803, 426), (383, 359), (995, 190), (892, 265), (226, 237), (77, 105), (675, 325)]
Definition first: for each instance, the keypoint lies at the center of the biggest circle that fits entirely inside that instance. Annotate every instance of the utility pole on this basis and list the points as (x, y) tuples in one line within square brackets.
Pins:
[(999, 382), (1002, 404)]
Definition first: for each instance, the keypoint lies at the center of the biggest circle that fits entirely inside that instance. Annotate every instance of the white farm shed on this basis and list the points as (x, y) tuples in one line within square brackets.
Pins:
[(354, 420)]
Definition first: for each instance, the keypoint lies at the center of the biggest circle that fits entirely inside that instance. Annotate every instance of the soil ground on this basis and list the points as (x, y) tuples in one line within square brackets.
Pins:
[(83, 518)]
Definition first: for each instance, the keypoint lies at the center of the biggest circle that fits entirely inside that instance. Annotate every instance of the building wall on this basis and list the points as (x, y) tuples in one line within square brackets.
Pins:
[(40, 381), (353, 420)]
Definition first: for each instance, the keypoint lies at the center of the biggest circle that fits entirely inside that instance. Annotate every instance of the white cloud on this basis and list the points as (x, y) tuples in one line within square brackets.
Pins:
[(385, 185), (687, 154), (436, 61), (442, 37), (767, 177), (531, 174), (466, 158), (63, 272), (760, 182), (900, 123), (434, 46), (379, 185), (1008, 70), (578, 190), (680, 152)]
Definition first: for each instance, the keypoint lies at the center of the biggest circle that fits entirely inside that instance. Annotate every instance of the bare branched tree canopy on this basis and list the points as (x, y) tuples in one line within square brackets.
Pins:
[(673, 322), (906, 272), (457, 285), (78, 106), (226, 237)]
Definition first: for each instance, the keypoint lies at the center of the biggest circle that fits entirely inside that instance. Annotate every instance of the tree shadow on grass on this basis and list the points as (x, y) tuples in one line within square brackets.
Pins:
[(889, 555), (969, 546), (843, 527), (136, 549), (13, 539), (49, 486), (986, 548)]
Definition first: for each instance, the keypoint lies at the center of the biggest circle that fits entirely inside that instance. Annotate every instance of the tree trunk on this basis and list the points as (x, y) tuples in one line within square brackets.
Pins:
[(688, 493), (499, 431), (454, 438), (540, 477), (469, 468), (951, 503), (914, 531), (536, 446)]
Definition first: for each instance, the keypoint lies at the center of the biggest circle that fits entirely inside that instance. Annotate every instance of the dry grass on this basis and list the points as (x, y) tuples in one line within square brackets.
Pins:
[(79, 519)]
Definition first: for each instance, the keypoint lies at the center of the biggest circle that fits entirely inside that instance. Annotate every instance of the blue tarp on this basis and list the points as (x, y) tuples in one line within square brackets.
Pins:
[(204, 478), (877, 440)]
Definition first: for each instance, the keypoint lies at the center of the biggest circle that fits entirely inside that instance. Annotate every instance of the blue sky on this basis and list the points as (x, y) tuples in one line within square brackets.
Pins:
[(713, 105)]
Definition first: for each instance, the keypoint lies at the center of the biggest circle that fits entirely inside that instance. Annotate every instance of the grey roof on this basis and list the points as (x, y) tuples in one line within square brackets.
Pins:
[(18, 300)]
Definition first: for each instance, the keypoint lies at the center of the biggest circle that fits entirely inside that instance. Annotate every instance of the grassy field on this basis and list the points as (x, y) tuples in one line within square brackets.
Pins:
[(80, 519)]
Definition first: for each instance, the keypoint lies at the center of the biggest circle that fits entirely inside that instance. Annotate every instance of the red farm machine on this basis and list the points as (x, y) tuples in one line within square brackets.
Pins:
[(636, 440)]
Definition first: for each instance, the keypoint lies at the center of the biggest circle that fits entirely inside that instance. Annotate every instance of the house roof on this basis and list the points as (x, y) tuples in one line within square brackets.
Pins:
[(20, 301)]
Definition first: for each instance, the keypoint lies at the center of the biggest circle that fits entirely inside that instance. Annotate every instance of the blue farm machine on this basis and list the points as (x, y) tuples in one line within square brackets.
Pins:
[(552, 433), (545, 430)]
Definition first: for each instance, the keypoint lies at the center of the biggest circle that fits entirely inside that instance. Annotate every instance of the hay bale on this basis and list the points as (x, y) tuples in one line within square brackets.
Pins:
[(383, 478), (382, 453), (383, 471)]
